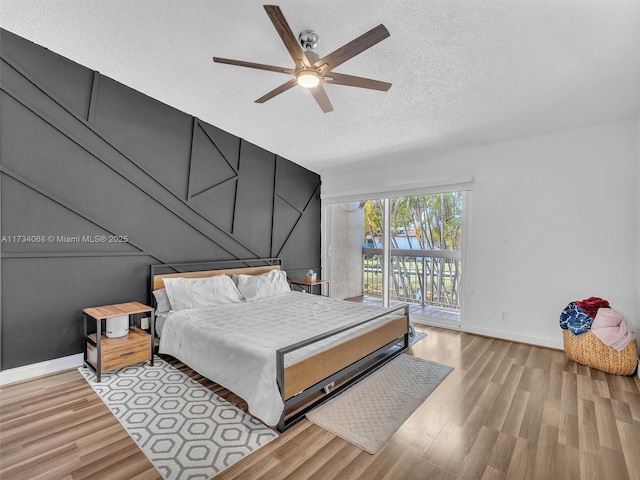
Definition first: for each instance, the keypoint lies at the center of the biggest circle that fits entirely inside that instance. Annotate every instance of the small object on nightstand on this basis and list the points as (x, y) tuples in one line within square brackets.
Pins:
[(308, 283), (103, 352), (117, 326)]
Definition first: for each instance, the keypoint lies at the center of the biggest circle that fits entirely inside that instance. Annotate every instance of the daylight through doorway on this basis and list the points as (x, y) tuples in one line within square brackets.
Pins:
[(422, 265)]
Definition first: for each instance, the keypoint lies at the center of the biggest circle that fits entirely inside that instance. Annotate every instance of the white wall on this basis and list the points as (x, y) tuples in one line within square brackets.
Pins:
[(566, 202)]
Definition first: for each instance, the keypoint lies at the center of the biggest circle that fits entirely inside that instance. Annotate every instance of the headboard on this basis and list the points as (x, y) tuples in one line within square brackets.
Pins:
[(253, 266)]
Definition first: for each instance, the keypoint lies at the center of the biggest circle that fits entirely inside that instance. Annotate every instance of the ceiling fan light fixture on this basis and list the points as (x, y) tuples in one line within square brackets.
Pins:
[(310, 71), (308, 78)]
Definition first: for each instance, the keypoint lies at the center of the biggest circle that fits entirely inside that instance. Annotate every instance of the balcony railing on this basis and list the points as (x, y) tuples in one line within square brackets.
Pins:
[(425, 277)]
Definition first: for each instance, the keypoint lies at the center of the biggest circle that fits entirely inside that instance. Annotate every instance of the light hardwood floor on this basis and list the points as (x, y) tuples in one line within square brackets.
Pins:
[(506, 411)]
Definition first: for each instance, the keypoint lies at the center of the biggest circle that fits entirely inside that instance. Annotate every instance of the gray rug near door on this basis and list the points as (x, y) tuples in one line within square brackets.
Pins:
[(371, 411), (416, 338), (184, 429)]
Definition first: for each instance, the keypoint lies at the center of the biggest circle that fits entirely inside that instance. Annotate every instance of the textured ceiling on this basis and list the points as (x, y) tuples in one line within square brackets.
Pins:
[(464, 73)]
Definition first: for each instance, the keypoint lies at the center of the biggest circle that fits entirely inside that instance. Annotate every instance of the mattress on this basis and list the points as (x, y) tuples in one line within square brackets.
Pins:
[(235, 344)]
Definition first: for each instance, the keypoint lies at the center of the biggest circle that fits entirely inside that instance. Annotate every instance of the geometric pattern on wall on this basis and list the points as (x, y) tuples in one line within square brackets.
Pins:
[(209, 167), (217, 204), (254, 199), (296, 193), (213, 180), (298, 242), (295, 184), (286, 217), (184, 429), (69, 224), (228, 145), (110, 159)]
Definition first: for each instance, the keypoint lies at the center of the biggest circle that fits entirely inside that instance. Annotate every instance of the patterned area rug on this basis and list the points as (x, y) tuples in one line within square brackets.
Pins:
[(368, 413), (186, 430)]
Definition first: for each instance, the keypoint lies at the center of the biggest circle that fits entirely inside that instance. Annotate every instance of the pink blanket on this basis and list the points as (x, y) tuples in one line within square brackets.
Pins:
[(611, 329)]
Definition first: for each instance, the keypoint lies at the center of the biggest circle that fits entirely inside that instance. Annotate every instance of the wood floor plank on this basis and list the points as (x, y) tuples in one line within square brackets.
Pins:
[(591, 467), (569, 395), (621, 411), (533, 413), (31, 448), (318, 460), (551, 413), (408, 466), (554, 392), (507, 411), (492, 473), (335, 465), (503, 402), (589, 440), (502, 372), (502, 452), (476, 461), (612, 464), (606, 423), (379, 465), (630, 438), (522, 460), (570, 464), (568, 433), (515, 414), (632, 399), (291, 458), (53, 463), (585, 387), (549, 454)]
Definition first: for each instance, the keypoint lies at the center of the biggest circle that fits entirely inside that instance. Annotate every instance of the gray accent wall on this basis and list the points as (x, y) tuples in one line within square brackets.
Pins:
[(99, 181)]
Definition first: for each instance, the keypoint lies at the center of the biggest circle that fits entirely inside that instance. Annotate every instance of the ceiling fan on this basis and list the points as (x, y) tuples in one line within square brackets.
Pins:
[(310, 70)]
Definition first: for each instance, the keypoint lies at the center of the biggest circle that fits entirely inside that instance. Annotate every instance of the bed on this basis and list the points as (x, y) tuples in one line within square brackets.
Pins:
[(284, 352)]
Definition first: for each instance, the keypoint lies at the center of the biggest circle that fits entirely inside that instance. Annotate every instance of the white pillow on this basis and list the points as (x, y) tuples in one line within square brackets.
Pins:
[(270, 284), (162, 300), (201, 292)]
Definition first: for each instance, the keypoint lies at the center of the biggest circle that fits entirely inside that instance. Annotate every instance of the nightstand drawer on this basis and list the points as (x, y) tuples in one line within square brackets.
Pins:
[(120, 352)]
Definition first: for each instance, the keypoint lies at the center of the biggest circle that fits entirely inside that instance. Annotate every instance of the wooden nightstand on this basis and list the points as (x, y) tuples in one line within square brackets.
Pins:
[(102, 353), (309, 284)]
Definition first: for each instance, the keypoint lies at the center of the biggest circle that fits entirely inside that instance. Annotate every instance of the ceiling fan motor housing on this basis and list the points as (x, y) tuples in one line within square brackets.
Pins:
[(308, 39)]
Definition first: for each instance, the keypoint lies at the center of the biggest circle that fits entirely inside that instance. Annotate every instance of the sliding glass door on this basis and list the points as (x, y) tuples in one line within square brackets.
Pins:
[(411, 252)]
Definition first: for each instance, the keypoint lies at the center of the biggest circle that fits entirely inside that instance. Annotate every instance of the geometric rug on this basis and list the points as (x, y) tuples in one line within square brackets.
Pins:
[(184, 429), (369, 413)]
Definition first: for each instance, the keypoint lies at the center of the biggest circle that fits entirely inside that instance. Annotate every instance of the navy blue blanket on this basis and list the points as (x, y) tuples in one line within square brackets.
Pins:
[(575, 319)]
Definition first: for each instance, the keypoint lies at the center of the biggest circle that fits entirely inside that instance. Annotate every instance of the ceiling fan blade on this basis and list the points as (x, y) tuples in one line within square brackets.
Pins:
[(277, 91), (320, 94), (354, 47), (287, 36), (351, 81), (259, 66)]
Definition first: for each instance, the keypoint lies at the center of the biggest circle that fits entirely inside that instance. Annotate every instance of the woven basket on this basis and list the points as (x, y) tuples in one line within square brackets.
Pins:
[(588, 350)]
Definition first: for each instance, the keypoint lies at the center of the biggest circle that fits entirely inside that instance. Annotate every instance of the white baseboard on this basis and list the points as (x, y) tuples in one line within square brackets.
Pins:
[(488, 332), (39, 369), (516, 337)]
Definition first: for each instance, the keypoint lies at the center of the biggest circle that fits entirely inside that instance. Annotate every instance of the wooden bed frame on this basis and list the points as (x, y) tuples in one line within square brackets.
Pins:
[(314, 380)]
